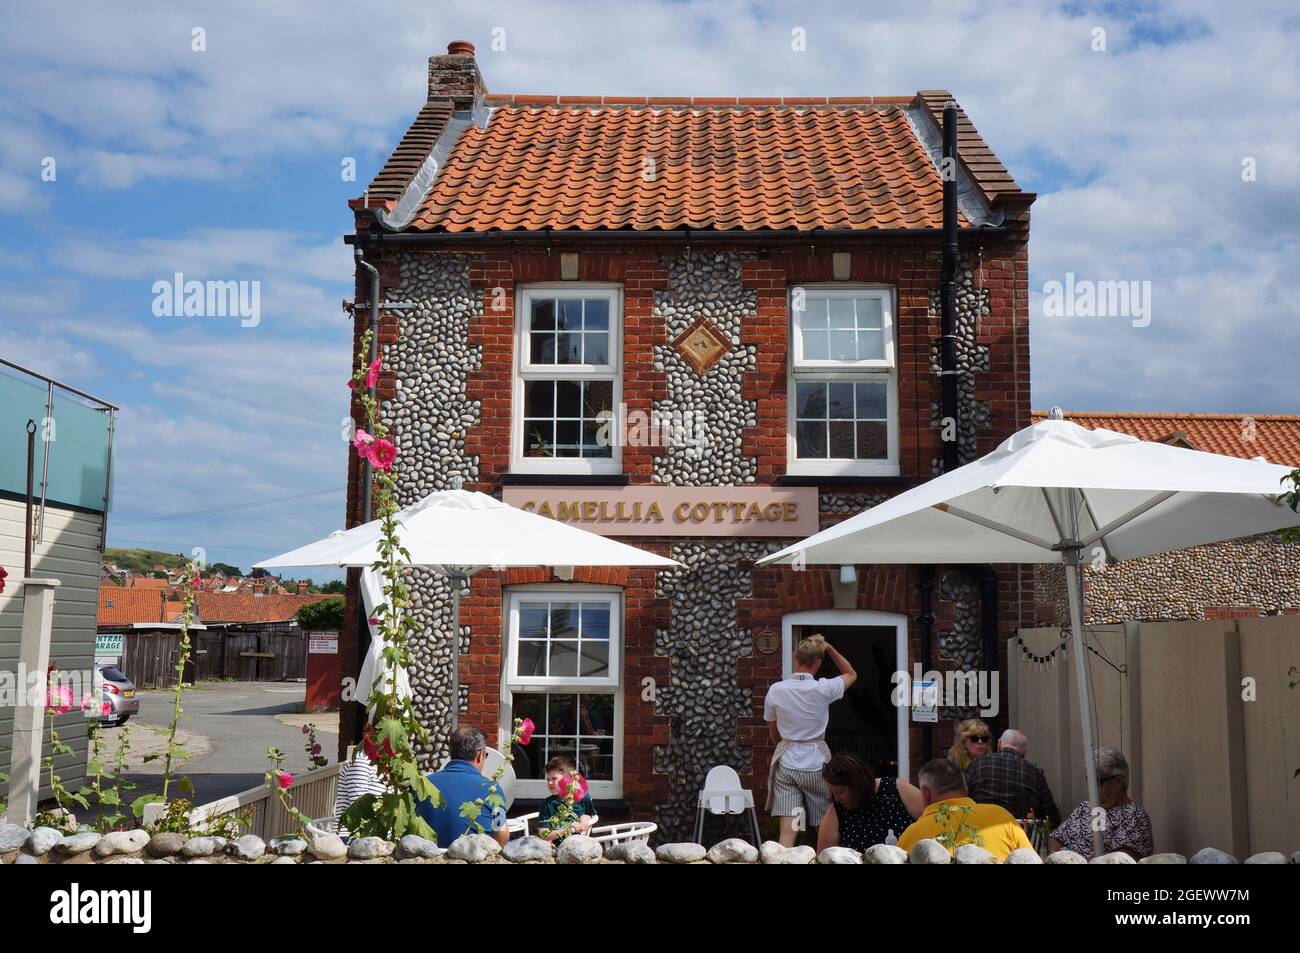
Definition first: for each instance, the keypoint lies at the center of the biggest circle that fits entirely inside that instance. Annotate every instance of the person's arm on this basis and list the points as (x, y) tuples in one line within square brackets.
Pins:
[(912, 799), (1054, 845), (846, 670), (828, 832), (772, 731)]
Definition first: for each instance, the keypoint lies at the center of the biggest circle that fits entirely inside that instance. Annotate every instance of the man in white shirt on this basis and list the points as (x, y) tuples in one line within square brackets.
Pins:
[(797, 710)]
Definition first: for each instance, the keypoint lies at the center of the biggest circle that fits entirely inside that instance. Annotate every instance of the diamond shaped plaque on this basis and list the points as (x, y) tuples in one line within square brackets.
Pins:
[(701, 345)]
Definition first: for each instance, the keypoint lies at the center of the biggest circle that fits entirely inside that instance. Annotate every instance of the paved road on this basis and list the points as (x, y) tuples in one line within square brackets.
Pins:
[(227, 727)]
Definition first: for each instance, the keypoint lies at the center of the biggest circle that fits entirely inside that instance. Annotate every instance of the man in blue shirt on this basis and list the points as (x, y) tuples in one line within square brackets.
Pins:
[(461, 780)]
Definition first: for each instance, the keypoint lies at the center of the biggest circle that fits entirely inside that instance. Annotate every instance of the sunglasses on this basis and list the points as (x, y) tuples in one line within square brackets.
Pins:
[(978, 739)]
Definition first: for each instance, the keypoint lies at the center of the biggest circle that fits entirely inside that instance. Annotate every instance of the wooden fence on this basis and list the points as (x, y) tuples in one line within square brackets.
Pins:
[(261, 653), (311, 792), (1203, 712)]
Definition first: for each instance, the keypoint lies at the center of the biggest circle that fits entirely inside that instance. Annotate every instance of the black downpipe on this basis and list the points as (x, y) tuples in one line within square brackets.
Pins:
[(927, 633), (948, 411), (948, 289), (363, 629), (989, 629)]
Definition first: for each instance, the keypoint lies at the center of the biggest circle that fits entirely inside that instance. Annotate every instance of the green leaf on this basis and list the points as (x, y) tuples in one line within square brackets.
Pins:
[(137, 806), (151, 757), (110, 797)]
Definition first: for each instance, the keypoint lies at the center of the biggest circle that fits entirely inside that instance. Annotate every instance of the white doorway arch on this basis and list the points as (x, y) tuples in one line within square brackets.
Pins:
[(863, 617)]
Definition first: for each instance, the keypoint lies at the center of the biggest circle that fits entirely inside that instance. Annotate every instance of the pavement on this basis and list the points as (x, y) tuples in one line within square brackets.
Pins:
[(226, 727)]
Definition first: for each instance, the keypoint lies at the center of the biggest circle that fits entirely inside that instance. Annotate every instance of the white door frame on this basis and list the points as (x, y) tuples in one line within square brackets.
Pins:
[(833, 617)]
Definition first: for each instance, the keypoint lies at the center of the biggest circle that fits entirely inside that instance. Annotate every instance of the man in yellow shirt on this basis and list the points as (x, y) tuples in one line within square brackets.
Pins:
[(942, 782)]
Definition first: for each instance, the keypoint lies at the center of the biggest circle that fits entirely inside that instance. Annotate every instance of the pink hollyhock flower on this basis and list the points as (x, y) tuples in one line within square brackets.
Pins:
[(284, 779), (362, 441), (3, 576), (374, 621), (526, 729), (573, 785), (382, 454), (305, 729), (352, 385), (86, 701), (59, 698), (108, 708), (315, 749), (372, 375)]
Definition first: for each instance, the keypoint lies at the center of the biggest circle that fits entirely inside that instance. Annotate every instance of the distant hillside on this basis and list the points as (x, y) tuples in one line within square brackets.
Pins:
[(143, 561)]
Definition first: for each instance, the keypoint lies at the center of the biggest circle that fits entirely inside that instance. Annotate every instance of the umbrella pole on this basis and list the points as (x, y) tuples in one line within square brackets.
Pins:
[(1073, 568)]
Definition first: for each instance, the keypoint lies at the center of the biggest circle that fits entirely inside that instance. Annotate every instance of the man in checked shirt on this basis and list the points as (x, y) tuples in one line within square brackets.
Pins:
[(1008, 780)]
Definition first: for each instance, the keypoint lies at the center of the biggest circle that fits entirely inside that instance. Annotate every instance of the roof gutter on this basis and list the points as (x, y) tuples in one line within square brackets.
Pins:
[(683, 234)]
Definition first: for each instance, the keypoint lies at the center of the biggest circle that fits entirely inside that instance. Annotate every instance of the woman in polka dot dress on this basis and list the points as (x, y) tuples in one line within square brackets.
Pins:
[(864, 808)]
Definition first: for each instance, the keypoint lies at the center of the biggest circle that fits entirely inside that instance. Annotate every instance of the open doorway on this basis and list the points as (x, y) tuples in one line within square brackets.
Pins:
[(865, 721)]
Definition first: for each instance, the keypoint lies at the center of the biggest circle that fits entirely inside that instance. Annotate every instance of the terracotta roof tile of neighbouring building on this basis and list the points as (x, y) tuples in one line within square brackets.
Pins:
[(660, 165), (246, 607), (119, 605), (1274, 437), (145, 582)]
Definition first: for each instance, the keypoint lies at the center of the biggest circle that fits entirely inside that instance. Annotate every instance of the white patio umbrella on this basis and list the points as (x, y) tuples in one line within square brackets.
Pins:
[(458, 533), (1060, 493)]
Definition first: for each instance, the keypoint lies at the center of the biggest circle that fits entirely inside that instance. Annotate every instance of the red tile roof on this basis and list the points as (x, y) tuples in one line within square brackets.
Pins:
[(1274, 437), (246, 607), (778, 167), (145, 582), (778, 163), (119, 605)]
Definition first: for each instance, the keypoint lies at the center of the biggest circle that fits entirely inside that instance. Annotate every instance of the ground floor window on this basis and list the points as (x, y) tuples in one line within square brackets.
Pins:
[(561, 669)]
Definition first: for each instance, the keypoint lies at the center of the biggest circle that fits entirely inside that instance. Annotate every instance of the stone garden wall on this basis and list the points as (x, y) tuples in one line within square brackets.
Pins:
[(46, 845)]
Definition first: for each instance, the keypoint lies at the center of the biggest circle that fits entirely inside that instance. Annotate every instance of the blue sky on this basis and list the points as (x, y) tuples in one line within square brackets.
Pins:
[(224, 163)]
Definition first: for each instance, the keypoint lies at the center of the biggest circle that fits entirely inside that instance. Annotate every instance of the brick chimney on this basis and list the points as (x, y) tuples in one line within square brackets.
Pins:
[(455, 76), (259, 588), (301, 587)]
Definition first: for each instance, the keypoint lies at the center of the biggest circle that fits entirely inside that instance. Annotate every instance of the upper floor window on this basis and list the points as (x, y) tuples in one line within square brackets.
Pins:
[(568, 374), (843, 397)]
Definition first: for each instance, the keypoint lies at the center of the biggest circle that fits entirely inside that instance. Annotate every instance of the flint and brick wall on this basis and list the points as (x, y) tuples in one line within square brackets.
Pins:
[(668, 743)]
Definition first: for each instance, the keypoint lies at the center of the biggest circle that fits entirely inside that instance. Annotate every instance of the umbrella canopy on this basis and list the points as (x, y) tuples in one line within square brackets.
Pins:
[(1133, 498), (459, 531), (1060, 493)]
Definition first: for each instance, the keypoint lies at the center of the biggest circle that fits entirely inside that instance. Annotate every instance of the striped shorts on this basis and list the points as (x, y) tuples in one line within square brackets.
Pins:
[(800, 792)]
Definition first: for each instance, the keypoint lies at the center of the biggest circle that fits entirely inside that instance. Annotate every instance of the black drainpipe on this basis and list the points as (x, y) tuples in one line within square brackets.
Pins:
[(989, 630), (948, 376), (363, 629), (927, 629), (948, 288)]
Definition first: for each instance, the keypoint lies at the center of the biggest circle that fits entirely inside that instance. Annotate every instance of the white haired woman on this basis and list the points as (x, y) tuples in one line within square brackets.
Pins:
[(1128, 825)]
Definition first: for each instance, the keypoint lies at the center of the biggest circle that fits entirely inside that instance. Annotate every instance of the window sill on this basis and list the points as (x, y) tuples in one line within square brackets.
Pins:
[(564, 479), (841, 479)]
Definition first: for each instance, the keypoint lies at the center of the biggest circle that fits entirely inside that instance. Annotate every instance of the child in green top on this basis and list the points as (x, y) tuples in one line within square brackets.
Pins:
[(555, 821)]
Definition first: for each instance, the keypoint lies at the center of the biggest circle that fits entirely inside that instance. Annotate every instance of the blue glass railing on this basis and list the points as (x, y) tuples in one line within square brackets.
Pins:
[(74, 440)]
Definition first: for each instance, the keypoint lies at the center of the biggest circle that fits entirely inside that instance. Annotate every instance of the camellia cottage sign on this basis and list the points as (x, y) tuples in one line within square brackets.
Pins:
[(674, 511)]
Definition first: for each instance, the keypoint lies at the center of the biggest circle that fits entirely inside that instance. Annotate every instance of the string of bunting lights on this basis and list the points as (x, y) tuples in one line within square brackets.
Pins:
[(1039, 663)]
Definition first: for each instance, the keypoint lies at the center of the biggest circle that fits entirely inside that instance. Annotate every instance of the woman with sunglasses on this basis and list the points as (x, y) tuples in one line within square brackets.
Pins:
[(970, 741)]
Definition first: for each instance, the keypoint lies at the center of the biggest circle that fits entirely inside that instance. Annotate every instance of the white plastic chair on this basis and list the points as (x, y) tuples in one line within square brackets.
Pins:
[(629, 832), (723, 794), (520, 824)]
